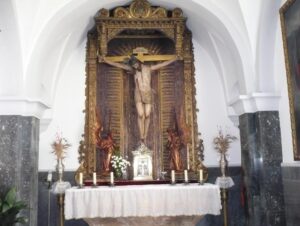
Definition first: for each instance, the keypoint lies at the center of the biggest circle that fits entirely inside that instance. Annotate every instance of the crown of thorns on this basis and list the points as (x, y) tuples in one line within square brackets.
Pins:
[(132, 60)]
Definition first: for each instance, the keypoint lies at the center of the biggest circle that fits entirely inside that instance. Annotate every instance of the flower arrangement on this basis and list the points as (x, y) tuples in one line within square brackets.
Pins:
[(119, 164), (222, 142), (60, 145)]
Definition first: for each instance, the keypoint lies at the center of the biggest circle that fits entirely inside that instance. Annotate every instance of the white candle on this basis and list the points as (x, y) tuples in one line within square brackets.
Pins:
[(173, 176), (94, 178), (49, 176), (201, 175), (188, 156), (111, 178), (186, 179), (80, 179)]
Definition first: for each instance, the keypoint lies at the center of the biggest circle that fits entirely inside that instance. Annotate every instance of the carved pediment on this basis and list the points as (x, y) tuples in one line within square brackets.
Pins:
[(140, 9)]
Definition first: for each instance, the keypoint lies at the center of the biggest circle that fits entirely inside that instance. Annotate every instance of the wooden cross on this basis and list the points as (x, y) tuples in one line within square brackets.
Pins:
[(141, 54)]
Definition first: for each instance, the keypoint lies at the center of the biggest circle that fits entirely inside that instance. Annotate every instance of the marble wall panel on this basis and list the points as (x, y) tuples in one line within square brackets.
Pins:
[(19, 142), (261, 159)]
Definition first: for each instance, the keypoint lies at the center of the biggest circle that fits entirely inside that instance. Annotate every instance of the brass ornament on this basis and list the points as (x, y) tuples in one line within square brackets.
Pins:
[(140, 9), (159, 13), (103, 13), (177, 12), (121, 13)]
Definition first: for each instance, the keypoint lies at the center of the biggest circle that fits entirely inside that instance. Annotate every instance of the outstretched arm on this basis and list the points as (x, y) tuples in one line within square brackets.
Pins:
[(163, 64), (115, 64)]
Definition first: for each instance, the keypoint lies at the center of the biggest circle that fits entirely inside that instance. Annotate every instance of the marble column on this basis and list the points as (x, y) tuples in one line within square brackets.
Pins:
[(19, 142), (261, 163)]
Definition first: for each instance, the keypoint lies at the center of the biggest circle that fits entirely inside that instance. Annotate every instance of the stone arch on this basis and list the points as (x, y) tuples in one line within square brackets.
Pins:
[(67, 29)]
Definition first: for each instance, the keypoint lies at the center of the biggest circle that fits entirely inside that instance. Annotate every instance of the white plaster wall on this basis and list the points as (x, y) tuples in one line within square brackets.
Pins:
[(10, 57), (67, 114), (69, 103), (213, 109)]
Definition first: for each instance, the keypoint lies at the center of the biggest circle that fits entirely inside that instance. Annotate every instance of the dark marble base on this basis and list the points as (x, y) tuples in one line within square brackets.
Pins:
[(236, 212), (19, 141), (291, 185), (48, 211), (261, 159)]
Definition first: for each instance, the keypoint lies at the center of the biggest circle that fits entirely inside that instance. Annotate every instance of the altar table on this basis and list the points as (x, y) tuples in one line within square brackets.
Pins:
[(142, 201)]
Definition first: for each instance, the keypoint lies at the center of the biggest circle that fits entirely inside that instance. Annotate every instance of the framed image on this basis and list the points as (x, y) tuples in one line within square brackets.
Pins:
[(142, 164), (290, 24)]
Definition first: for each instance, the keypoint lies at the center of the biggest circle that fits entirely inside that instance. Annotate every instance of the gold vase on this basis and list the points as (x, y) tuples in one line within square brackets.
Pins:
[(223, 164)]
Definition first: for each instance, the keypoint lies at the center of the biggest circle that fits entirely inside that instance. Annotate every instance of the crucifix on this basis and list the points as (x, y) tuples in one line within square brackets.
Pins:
[(142, 79)]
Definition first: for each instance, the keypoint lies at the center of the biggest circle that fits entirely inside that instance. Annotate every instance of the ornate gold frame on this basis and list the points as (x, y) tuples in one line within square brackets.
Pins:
[(108, 25), (283, 10)]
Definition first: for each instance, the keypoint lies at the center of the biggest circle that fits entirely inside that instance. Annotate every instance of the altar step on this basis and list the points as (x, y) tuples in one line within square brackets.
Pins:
[(145, 221)]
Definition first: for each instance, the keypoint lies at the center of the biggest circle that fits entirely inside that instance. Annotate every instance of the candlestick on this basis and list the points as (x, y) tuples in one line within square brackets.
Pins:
[(173, 177), (186, 179), (94, 178), (80, 179), (111, 178)]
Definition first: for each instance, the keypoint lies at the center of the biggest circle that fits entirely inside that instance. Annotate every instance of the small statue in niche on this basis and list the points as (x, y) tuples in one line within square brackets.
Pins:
[(105, 143), (143, 91), (178, 137), (175, 145), (108, 146)]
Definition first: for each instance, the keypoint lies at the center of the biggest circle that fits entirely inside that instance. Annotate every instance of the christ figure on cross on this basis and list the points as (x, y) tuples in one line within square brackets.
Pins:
[(142, 91)]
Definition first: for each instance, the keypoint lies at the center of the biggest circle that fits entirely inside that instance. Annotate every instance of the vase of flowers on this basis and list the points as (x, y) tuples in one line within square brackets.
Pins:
[(60, 145), (119, 165), (222, 144)]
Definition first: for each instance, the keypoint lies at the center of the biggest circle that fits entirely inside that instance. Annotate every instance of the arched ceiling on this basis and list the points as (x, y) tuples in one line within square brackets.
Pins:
[(69, 25), (217, 27)]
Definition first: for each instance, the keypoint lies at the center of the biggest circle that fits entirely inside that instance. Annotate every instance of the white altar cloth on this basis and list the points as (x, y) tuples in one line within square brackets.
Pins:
[(142, 201)]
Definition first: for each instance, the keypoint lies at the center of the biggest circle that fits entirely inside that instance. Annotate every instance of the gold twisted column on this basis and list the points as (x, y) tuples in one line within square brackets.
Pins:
[(224, 198), (61, 203)]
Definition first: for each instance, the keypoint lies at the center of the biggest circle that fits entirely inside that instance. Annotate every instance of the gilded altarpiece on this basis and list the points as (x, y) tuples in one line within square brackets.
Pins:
[(154, 34)]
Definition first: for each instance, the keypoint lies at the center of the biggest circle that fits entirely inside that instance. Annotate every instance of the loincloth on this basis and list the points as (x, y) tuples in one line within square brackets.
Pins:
[(144, 97)]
